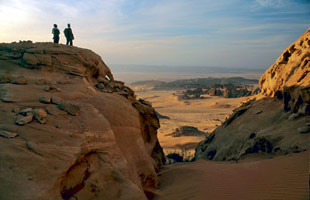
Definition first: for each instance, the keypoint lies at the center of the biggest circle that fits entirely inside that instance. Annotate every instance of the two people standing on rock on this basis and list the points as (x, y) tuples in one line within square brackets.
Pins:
[(68, 34)]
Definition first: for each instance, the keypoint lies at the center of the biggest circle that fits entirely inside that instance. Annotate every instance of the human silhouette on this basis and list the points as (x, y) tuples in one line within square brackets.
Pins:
[(56, 33), (69, 35)]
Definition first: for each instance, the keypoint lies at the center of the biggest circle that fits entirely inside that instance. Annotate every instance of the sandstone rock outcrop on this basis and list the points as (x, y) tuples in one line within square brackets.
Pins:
[(274, 122), (186, 131), (289, 77), (68, 130)]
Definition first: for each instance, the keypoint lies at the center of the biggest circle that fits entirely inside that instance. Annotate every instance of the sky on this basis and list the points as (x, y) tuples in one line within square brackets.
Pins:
[(221, 33)]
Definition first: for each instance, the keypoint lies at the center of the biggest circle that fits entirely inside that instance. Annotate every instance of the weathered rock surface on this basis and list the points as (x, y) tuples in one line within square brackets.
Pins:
[(289, 77), (275, 121), (79, 141)]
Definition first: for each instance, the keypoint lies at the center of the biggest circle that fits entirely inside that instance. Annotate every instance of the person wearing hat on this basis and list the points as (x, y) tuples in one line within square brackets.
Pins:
[(69, 35), (56, 32)]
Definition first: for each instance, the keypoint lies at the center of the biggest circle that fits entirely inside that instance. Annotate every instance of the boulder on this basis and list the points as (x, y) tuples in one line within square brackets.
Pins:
[(40, 115), (30, 59), (22, 120), (45, 99)]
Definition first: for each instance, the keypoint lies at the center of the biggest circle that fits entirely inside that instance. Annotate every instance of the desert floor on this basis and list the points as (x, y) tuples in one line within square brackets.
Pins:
[(280, 178), (205, 114)]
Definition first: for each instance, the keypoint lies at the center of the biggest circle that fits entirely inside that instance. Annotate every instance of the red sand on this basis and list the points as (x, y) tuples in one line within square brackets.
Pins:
[(279, 178)]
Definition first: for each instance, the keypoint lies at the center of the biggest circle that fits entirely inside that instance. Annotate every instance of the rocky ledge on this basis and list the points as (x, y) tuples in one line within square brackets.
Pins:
[(277, 121), (68, 130)]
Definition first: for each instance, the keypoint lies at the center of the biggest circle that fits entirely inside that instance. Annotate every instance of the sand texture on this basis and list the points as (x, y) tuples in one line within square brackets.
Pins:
[(280, 178)]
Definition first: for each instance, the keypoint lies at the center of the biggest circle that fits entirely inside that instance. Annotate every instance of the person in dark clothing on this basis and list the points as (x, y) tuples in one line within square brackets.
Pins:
[(56, 33), (69, 35)]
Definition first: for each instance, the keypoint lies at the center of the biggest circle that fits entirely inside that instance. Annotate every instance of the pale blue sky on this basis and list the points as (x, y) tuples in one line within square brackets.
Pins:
[(227, 33)]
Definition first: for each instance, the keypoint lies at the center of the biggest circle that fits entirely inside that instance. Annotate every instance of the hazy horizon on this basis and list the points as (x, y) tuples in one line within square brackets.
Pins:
[(232, 34)]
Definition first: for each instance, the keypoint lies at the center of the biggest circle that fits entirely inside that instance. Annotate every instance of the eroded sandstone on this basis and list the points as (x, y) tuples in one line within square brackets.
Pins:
[(83, 135)]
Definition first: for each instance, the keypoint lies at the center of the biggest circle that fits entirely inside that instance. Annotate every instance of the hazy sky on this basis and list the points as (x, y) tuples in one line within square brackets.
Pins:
[(228, 33)]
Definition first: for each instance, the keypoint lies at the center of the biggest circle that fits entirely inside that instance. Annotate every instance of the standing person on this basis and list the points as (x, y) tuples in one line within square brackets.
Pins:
[(56, 33), (69, 35)]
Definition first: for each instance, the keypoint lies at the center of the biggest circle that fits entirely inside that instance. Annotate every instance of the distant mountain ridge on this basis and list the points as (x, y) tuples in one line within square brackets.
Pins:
[(182, 69)]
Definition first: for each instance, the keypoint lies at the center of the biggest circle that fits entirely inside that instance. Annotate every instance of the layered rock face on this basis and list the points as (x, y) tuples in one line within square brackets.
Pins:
[(277, 121), (68, 130)]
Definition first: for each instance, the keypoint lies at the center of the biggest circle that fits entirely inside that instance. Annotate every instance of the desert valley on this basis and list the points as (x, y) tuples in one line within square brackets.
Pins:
[(69, 130), (154, 100), (194, 118)]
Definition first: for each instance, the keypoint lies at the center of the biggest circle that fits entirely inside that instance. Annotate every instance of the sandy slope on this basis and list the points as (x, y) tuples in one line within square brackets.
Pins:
[(280, 178)]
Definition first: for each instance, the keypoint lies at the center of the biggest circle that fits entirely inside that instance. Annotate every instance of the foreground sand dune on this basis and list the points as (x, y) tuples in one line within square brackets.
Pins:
[(280, 178)]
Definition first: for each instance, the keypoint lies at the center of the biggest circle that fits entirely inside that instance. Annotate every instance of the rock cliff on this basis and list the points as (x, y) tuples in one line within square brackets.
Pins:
[(68, 130), (277, 121), (289, 77)]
